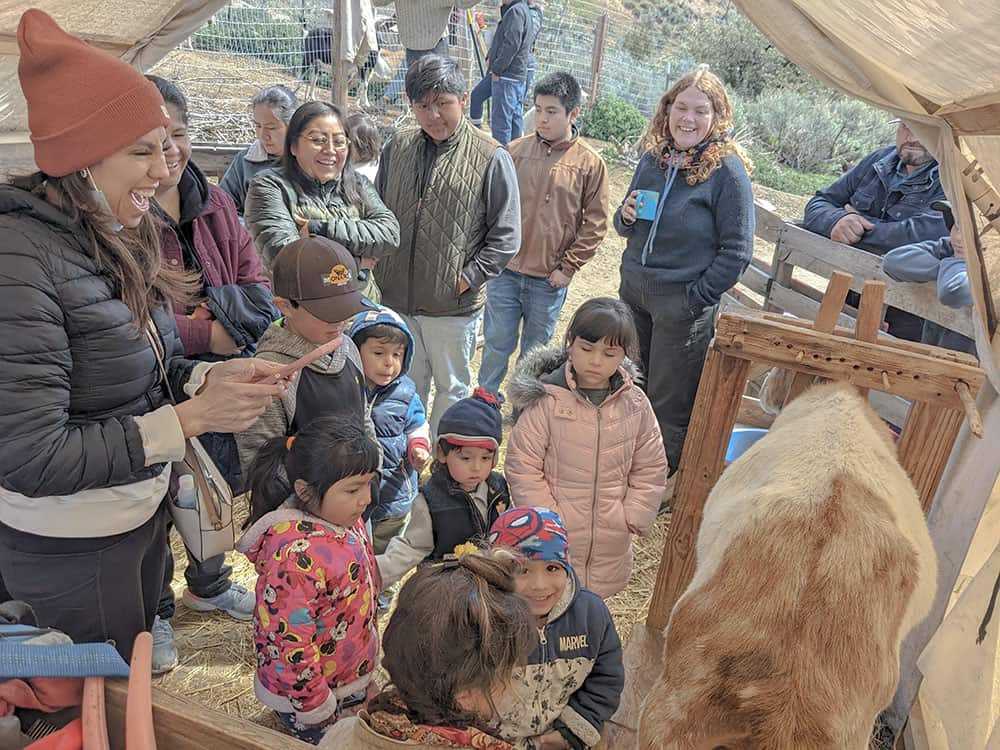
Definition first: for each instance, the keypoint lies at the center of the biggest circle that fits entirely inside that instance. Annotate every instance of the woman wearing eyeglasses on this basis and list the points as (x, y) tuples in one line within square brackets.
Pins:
[(316, 191)]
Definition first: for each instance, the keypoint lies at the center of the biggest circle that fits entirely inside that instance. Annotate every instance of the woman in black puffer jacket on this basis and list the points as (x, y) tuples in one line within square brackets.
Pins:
[(87, 430)]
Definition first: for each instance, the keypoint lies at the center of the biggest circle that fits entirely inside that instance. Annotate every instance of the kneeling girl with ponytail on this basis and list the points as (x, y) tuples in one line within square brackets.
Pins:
[(315, 634)]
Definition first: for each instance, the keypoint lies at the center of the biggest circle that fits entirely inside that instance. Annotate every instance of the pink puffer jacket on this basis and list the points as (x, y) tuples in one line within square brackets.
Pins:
[(602, 469)]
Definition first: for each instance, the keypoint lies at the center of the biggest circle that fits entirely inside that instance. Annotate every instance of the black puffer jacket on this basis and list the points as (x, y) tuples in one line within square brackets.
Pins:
[(73, 370)]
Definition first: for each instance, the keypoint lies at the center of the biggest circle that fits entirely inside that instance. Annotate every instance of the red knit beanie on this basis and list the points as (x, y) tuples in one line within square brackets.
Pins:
[(83, 104)]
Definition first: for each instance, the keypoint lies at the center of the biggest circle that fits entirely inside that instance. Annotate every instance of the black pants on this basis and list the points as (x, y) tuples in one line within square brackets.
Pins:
[(204, 579), (672, 344), (94, 589)]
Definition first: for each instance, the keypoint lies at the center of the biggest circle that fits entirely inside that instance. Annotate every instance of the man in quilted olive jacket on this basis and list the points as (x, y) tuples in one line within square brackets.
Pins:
[(454, 191)]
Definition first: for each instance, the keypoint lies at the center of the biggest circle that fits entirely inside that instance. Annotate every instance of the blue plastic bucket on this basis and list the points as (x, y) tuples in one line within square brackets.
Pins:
[(741, 439)]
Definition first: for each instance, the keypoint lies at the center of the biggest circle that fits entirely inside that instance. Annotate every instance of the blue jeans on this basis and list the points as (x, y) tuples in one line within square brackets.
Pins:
[(484, 90), (510, 298), (398, 84), (442, 352), (477, 99), (506, 116)]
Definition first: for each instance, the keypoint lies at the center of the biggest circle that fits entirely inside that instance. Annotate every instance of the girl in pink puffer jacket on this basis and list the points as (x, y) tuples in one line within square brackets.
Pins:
[(587, 443)]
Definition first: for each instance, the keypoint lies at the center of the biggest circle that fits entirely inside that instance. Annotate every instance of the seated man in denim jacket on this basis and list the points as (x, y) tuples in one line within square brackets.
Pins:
[(881, 204)]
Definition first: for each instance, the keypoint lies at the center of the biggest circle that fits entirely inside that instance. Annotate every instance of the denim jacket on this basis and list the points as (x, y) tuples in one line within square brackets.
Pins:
[(901, 216)]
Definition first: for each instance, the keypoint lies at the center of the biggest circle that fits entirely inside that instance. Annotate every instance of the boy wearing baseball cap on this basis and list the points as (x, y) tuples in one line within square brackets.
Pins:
[(317, 291), (574, 678), (464, 494)]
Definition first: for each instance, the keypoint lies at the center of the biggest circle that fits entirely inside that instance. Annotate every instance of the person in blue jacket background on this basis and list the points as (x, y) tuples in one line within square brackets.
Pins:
[(941, 261)]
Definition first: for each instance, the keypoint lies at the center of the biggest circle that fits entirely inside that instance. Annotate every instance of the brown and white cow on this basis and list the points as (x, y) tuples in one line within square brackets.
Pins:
[(813, 562)]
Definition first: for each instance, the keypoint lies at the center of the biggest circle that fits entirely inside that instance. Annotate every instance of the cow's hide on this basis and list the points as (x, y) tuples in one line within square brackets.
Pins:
[(813, 562)]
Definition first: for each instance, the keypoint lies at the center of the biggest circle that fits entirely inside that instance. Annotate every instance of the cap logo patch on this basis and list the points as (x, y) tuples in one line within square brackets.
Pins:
[(338, 276)]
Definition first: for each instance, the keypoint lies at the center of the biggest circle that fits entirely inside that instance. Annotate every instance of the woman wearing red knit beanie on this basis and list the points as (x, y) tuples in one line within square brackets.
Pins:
[(87, 427)]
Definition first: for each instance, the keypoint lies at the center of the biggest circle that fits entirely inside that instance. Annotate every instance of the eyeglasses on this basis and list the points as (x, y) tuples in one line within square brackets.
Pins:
[(338, 143)]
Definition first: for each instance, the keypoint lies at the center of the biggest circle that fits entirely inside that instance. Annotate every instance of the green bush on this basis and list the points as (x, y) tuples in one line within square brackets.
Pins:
[(812, 132), (770, 174), (611, 118), (740, 55)]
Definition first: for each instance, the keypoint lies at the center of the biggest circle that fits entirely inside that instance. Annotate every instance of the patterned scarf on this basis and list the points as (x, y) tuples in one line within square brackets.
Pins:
[(398, 726), (698, 162)]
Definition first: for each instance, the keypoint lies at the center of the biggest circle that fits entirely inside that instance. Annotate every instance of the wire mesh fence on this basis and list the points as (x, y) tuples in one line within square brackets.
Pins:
[(251, 44)]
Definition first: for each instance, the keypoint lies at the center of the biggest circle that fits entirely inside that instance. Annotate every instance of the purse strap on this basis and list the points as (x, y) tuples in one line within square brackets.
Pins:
[(156, 342)]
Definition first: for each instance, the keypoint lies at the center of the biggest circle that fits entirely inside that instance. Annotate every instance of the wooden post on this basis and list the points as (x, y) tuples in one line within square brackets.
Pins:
[(782, 272), (826, 321), (720, 394), (926, 444), (597, 62), (338, 68), (962, 496)]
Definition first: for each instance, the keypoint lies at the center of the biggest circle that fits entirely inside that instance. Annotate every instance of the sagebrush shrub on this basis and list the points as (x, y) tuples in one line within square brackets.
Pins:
[(611, 118)]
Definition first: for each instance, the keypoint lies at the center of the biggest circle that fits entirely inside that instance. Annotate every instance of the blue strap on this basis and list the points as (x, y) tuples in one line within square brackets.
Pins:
[(20, 661), (672, 169)]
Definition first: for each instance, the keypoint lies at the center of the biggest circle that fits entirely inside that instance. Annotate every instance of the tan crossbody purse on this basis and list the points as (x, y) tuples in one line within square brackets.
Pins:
[(207, 529)]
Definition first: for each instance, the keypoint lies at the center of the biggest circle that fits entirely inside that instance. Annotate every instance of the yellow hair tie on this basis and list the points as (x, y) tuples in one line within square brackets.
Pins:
[(466, 548)]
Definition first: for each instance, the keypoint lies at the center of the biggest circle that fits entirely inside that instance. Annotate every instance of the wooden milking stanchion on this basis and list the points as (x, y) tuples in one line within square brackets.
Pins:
[(941, 384)]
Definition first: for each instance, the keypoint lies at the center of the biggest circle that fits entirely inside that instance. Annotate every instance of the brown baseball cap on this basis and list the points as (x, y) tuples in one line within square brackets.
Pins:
[(322, 276)]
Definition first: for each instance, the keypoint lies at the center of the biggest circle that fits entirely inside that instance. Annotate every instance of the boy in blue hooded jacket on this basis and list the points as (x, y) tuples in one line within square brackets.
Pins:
[(386, 348)]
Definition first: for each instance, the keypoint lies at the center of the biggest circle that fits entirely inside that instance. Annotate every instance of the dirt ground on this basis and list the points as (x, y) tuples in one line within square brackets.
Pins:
[(216, 653)]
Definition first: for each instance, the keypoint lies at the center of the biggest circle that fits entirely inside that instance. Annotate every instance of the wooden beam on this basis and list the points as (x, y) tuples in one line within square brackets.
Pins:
[(885, 339), (213, 158), (752, 415), (782, 273), (913, 376), (802, 306), (820, 255), (870, 314), (927, 441), (768, 223), (756, 279), (182, 724), (826, 321), (720, 394)]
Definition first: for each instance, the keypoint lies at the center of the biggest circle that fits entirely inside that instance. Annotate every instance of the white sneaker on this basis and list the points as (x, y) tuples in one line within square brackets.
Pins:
[(237, 602), (164, 648)]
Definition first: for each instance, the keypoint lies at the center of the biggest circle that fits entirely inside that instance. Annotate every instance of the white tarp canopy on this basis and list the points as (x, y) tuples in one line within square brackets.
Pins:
[(934, 62), (139, 32)]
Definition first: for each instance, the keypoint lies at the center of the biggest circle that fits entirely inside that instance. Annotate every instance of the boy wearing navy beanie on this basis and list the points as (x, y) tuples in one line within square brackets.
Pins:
[(464, 494)]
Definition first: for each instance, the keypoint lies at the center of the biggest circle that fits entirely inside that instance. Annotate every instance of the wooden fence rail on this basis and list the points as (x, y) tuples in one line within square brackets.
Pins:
[(795, 247)]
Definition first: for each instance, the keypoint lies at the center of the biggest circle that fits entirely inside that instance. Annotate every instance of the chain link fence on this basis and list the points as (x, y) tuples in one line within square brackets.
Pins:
[(251, 44)]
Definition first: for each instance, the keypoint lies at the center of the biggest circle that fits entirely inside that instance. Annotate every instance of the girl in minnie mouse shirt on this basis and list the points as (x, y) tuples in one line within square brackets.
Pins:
[(315, 632)]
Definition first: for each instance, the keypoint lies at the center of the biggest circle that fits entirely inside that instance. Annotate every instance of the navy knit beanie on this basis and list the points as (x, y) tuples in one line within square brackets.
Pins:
[(473, 421)]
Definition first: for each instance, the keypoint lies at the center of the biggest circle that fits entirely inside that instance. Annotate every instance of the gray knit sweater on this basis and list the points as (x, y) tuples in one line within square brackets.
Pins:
[(705, 236), (422, 23)]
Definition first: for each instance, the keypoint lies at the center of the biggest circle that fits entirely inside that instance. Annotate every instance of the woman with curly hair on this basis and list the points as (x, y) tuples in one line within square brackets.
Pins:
[(688, 241)]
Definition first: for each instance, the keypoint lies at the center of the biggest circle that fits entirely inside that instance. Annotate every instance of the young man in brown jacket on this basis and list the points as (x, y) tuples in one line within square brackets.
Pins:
[(563, 184)]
